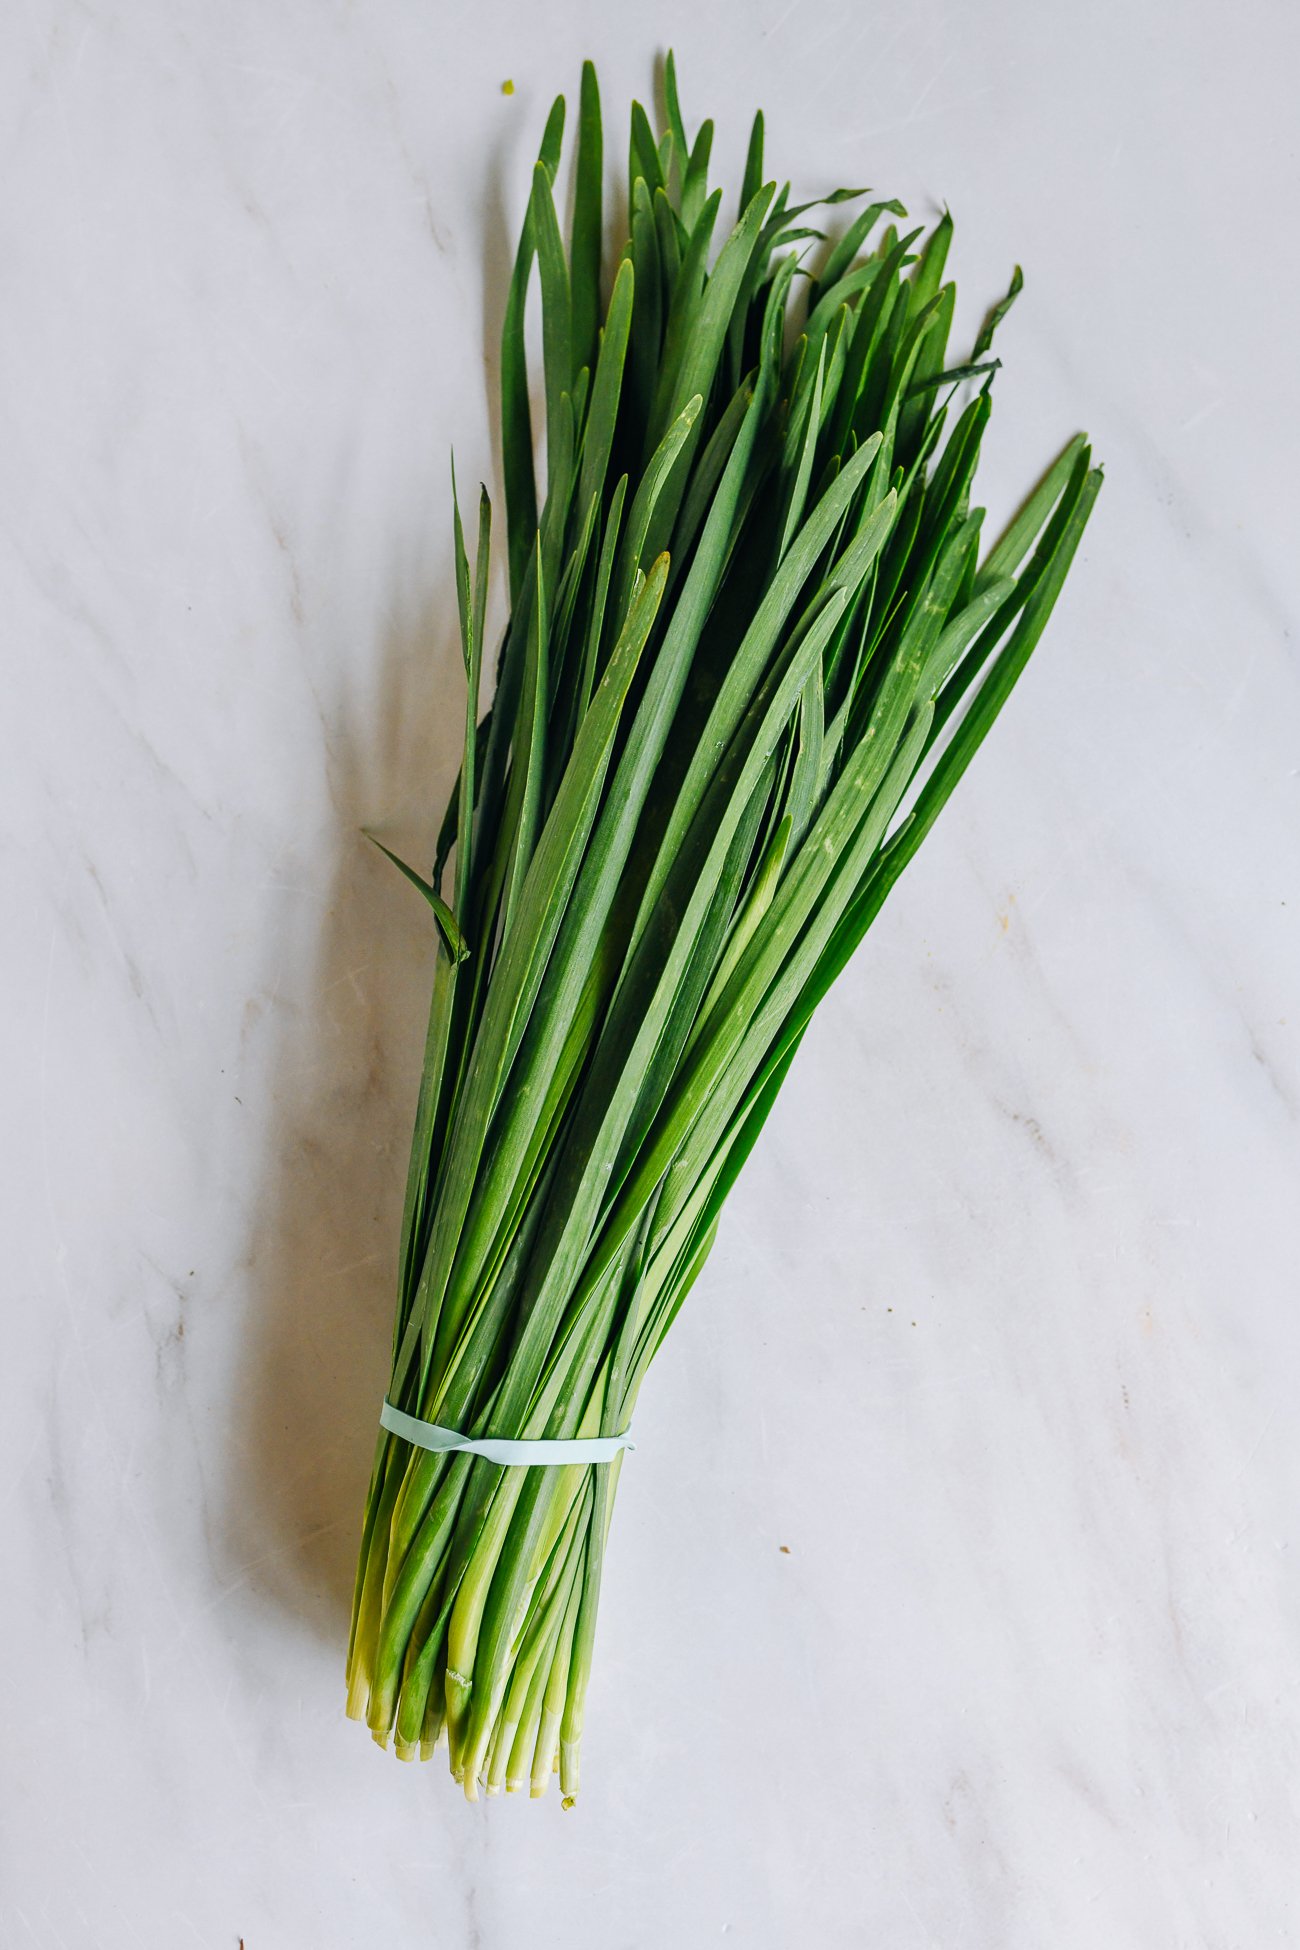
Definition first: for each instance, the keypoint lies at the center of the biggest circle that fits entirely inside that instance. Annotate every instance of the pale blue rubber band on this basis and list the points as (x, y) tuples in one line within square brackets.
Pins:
[(498, 1449)]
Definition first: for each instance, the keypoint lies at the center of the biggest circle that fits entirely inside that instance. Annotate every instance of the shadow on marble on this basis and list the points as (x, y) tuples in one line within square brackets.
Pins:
[(321, 1257), (322, 1254)]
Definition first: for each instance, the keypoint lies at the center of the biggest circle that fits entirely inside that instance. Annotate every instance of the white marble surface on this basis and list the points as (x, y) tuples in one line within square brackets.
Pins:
[(1001, 1336)]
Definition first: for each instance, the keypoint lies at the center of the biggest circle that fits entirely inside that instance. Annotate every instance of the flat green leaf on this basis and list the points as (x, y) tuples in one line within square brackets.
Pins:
[(752, 181), (807, 451), (448, 927), (643, 155), (586, 229), (928, 275), (931, 381), (695, 188), (1020, 532), (997, 314), (647, 310), (516, 418), (676, 126), (842, 256), (528, 757), (606, 391), (473, 614), (557, 339), (596, 619)]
